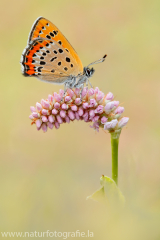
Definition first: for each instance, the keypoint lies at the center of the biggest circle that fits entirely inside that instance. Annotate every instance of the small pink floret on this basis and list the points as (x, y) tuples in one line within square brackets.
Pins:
[(71, 115), (119, 110), (123, 122), (80, 112), (63, 113), (38, 123), (45, 112), (51, 119), (54, 111), (64, 106), (38, 106), (74, 108), (50, 125), (104, 120), (32, 109), (85, 105), (67, 99), (59, 119), (35, 115), (57, 125), (44, 127), (110, 125), (44, 119), (99, 109), (67, 119), (57, 105), (78, 101), (109, 96)]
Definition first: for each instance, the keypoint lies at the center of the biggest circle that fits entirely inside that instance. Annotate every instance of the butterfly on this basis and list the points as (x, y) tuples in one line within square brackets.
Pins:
[(51, 58)]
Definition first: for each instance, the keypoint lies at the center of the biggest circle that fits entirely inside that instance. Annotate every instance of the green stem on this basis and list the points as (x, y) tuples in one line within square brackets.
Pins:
[(114, 146)]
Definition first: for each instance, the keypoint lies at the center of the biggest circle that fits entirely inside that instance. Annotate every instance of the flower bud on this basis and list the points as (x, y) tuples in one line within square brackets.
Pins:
[(45, 111), (80, 112), (51, 118), (93, 103), (35, 115), (67, 99), (110, 125), (50, 98), (96, 90), (90, 92), (44, 127), (91, 113), (70, 92), (32, 109), (99, 109), (74, 108), (78, 101), (38, 106), (95, 119), (84, 92), (77, 91), (116, 103), (119, 110), (123, 122), (31, 117), (99, 96), (57, 97), (85, 105), (59, 119), (67, 119), (61, 93), (104, 120), (62, 113), (57, 125), (109, 106), (57, 105), (85, 117), (77, 115), (64, 106), (50, 125), (71, 115), (54, 111), (45, 104), (38, 123), (109, 96), (44, 119)]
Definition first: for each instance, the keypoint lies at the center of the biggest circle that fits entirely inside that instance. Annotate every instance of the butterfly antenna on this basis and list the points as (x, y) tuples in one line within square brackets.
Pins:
[(98, 61)]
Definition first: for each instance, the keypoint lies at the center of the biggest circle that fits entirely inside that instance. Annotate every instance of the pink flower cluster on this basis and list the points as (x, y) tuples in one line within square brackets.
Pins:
[(93, 106)]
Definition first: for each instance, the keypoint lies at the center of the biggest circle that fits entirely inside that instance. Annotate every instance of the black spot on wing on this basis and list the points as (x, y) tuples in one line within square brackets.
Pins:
[(42, 63), (55, 32), (60, 50), (68, 59), (52, 34), (52, 59)]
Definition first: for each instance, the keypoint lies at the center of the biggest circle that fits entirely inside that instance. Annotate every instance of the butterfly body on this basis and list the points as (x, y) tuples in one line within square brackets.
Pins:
[(50, 57)]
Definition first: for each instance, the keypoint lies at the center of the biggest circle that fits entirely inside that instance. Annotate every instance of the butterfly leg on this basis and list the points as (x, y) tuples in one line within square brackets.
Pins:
[(90, 83)]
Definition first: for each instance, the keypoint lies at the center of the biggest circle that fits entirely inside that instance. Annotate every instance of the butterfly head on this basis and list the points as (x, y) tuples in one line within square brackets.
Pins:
[(88, 72)]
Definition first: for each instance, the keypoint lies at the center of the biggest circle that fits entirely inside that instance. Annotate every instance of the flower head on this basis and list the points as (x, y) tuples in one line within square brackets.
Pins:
[(92, 106)]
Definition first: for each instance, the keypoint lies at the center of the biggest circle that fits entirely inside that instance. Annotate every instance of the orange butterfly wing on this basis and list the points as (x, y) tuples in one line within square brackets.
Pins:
[(43, 28)]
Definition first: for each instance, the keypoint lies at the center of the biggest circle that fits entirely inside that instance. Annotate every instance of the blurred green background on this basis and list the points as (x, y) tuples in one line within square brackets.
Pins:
[(45, 178)]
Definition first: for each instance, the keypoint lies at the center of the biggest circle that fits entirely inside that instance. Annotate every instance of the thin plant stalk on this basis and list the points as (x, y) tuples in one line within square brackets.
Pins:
[(114, 147)]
